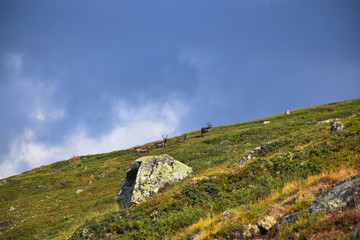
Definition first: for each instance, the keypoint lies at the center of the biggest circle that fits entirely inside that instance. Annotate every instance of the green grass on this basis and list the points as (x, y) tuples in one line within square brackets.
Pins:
[(48, 207)]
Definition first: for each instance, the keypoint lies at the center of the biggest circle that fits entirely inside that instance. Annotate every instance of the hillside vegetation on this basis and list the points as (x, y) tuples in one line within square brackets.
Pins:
[(301, 160)]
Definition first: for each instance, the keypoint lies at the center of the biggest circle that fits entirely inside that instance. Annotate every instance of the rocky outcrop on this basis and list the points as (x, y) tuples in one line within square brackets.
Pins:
[(343, 196), (147, 175), (257, 152)]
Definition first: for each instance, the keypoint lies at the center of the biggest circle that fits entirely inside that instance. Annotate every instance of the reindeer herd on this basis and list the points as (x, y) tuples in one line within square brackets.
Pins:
[(163, 143)]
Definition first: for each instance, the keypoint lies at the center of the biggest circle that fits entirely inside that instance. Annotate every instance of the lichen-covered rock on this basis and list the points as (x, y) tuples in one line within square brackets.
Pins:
[(266, 223), (343, 196), (147, 175)]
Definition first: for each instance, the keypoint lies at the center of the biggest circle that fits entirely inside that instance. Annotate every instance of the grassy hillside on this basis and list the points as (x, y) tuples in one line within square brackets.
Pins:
[(76, 197)]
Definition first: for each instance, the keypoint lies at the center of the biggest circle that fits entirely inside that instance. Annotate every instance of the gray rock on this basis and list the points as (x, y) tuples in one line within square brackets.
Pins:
[(337, 126), (123, 195), (342, 196), (147, 175)]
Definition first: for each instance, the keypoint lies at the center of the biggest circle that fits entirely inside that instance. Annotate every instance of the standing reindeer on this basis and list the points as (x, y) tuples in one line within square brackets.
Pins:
[(142, 149), (161, 144), (206, 129), (180, 140)]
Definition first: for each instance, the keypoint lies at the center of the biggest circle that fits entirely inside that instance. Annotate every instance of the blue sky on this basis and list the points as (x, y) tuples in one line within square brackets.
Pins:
[(83, 77)]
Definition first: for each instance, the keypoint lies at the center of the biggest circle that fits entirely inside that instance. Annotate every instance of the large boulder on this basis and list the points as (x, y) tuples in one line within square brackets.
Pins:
[(147, 175)]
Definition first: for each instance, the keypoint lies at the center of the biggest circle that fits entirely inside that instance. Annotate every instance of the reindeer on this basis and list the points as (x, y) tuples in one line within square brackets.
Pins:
[(180, 140), (142, 149), (206, 129), (161, 144)]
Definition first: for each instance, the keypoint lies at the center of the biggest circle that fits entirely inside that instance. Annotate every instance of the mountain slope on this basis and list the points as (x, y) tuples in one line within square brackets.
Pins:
[(301, 160)]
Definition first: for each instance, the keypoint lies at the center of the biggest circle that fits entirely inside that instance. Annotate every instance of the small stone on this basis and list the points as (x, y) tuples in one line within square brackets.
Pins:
[(101, 175), (230, 213), (85, 232), (2, 183), (79, 191), (250, 230)]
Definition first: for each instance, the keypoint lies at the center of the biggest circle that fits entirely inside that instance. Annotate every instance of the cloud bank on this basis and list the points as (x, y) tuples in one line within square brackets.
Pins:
[(142, 125), (38, 130)]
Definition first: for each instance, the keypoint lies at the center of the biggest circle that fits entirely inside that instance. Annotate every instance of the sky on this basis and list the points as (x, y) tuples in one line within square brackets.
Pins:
[(82, 77)]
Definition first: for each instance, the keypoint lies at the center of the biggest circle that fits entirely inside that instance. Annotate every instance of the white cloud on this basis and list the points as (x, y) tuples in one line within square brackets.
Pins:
[(31, 96), (15, 61), (141, 125)]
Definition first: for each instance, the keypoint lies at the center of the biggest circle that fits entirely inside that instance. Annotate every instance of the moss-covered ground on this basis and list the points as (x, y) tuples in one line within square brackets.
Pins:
[(302, 160)]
